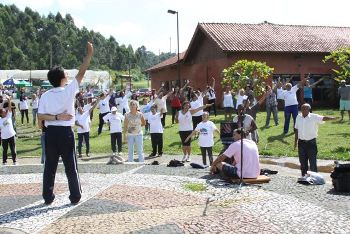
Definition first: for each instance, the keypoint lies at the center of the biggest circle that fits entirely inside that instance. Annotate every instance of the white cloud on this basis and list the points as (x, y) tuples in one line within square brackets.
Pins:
[(121, 29), (72, 4)]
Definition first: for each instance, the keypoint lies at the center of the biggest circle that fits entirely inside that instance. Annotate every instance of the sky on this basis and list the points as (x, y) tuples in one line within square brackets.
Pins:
[(146, 22)]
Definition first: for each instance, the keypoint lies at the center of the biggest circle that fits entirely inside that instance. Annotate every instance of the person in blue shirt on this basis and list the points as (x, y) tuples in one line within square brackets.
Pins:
[(308, 90)]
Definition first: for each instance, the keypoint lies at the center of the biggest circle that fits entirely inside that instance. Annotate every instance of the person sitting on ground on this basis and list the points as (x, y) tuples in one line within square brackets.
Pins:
[(251, 167), (114, 120), (206, 128)]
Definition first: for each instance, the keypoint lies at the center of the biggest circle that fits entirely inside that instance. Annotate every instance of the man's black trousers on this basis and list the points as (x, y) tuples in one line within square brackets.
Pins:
[(59, 141), (307, 153)]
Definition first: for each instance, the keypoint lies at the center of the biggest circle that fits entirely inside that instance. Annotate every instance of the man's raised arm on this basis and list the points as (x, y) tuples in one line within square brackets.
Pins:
[(86, 62)]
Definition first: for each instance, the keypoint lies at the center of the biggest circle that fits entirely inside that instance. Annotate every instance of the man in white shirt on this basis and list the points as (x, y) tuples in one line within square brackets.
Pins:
[(306, 128), (250, 167), (56, 107), (290, 104)]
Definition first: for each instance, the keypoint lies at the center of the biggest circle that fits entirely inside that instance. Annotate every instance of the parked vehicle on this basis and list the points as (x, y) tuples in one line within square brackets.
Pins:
[(144, 92)]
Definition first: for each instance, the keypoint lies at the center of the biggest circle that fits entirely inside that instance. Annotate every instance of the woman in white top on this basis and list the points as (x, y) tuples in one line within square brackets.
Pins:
[(7, 134), (228, 103), (247, 122), (206, 130), (104, 107), (123, 102), (82, 120), (240, 97), (133, 123), (160, 102), (154, 119), (184, 118), (114, 120), (197, 101), (23, 107), (211, 95), (35, 106)]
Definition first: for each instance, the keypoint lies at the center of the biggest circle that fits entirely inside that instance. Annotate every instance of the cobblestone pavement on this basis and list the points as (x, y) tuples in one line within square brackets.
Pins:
[(134, 198)]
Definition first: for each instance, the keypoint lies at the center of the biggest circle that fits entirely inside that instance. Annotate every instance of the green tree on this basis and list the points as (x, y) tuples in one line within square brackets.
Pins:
[(341, 58), (245, 72)]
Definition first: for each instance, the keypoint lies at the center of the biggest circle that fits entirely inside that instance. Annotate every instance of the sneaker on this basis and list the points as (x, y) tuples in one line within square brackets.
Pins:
[(152, 155), (87, 155), (119, 158), (160, 155), (113, 154), (80, 156), (188, 158), (4, 163), (184, 158), (111, 160), (14, 163)]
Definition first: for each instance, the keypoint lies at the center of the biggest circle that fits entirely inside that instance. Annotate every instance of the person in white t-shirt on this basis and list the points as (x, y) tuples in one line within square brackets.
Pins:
[(104, 108), (122, 101), (23, 107), (35, 106), (59, 136), (160, 102), (156, 130), (82, 120), (114, 120), (206, 130), (250, 167), (240, 97), (7, 134), (227, 100), (197, 101), (184, 119), (290, 104)]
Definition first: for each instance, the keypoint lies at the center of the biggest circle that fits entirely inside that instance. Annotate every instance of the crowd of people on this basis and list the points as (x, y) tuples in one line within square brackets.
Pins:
[(128, 117)]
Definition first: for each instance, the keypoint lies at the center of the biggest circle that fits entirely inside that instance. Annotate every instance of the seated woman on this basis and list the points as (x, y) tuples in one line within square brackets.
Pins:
[(251, 167)]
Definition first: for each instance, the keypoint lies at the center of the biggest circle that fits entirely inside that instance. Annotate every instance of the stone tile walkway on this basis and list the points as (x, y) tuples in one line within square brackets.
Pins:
[(133, 198)]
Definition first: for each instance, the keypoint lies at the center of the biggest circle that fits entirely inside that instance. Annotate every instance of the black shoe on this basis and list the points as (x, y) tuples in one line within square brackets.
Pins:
[(80, 156), (152, 155), (74, 201), (160, 155), (49, 201)]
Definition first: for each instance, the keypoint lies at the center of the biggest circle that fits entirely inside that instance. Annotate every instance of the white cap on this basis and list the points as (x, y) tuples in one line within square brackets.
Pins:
[(114, 108)]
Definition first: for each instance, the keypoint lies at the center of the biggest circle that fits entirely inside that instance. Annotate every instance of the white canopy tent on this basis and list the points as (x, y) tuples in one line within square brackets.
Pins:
[(102, 79)]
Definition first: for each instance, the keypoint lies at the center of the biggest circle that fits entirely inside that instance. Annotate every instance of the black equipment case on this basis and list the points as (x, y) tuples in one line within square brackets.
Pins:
[(341, 177)]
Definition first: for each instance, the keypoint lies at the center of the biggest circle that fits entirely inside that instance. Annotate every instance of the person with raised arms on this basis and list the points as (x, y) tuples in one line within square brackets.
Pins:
[(56, 107)]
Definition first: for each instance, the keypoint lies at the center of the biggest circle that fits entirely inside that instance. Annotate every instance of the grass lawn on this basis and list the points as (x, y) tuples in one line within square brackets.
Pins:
[(333, 140)]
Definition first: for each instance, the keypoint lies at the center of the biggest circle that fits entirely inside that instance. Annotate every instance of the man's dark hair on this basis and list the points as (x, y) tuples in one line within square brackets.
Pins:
[(241, 132), (55, 75)]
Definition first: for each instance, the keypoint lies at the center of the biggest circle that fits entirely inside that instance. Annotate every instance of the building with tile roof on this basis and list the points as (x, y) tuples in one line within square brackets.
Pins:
[(293, 51)]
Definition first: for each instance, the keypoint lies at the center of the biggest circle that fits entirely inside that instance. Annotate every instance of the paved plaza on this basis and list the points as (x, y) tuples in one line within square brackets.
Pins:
[(135, 198)]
